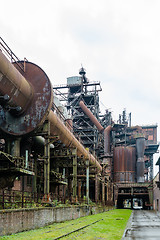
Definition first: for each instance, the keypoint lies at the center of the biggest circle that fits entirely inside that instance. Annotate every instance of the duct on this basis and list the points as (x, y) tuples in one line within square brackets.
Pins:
[(140, 147), (39, 108), (91, 116), (67, 138), (14, 85), (107, 132)]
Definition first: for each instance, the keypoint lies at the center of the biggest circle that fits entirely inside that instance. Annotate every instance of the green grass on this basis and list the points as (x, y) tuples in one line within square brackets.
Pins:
[(111, 227)]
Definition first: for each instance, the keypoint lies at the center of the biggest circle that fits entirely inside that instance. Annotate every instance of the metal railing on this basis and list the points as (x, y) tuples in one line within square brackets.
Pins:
[(13, 199), (19, 162), (18, 199), (10, 54)]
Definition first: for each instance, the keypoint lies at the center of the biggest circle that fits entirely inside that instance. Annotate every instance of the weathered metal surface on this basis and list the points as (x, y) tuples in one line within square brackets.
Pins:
[(69, 124), (38, 109), (140, 170), (107, 163), (47, 162), (96, 188), (91, 116), (124, 164), (13, 84), (107, 132), (103, 190), (75, 177), (79, 188), (16, 162), (150, 133), (87, 181), (140, 147), (34, 113), (58, 128)]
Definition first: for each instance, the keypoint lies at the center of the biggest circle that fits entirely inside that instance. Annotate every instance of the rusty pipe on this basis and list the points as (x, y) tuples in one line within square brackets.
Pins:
[(26, 97), (58, 128), (13, 84), (21, 92), (91, 116), (107, 137), (106, 132)]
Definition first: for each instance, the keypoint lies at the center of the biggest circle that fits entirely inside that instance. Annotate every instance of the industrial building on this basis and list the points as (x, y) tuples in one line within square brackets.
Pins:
[(56, 144)]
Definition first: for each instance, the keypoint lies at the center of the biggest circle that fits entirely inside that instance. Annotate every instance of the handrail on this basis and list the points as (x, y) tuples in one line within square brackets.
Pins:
[(10, 54)]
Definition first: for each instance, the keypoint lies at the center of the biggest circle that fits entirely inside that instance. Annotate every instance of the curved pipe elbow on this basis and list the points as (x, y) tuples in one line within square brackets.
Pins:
[(91, 116)]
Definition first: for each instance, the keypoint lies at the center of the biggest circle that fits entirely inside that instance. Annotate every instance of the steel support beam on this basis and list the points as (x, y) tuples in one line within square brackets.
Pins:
[(96, 189), (79, 189), (107, 191), (87, 181), (74, 174), (47, 160), (35, 176), (103, 190)]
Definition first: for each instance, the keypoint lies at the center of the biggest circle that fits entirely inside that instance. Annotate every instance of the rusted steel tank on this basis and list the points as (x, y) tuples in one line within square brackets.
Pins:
[(124, 164)]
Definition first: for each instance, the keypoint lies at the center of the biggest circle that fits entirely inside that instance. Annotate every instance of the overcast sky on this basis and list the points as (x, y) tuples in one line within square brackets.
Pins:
[(117, 41)]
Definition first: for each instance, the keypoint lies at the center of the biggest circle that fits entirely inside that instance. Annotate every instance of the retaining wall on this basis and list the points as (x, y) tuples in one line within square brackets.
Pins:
[(18, 220)]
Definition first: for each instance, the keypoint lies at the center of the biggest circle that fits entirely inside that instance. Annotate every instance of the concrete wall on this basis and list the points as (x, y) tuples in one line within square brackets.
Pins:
[(18, 220)]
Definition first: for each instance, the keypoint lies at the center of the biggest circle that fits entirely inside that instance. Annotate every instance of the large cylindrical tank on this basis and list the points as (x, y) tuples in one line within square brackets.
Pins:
[(124, 164)]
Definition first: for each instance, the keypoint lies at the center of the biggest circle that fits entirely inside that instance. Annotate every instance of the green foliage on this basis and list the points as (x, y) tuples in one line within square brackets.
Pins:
[(67, 203), (111, 227), (17, 204)]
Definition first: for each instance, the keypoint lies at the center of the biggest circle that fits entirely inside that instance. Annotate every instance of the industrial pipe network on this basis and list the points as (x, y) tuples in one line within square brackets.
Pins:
[(27, 99)]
